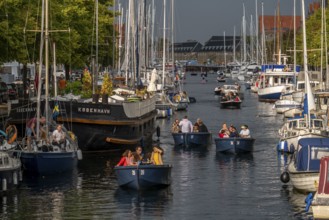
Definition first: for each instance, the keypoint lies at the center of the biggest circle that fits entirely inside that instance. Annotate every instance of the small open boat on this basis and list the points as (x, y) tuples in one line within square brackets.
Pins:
[(192, 139), (320, 202), (143, 177), (230, 103), (221, 79), (234, 145)]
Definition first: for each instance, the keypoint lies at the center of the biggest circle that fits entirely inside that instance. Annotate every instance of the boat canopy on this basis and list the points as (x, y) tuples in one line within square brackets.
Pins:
[(277, 66), (309, 153), (324, 176)]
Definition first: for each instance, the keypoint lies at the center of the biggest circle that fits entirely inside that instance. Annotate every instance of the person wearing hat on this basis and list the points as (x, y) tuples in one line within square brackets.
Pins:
[(245, 132)]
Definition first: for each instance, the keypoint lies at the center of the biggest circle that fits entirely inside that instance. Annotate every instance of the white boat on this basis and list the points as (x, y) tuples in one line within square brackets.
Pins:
[(304, 168), (284, 105), (296, 129), (291, 113), (10, 170), (275, 81)]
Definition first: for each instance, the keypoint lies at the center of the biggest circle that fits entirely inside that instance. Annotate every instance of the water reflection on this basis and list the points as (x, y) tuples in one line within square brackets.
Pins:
[(151, 203), (297, 201), (238, 160), (194, 151)]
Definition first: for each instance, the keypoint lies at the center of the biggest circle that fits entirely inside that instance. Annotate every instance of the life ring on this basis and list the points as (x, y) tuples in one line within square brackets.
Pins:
[(11, 132)]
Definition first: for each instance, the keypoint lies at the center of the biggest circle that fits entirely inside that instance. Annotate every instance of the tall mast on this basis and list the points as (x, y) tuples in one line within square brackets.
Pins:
[(263, 34), (164, 44), (257, 43), (278, 31), (46, 64), (120, 39), (172, 36), (224, 51), (251, 39), (295, 80), (310, 99), (244, 35), (114, 40), (322, 29), (234, 59), (40, 66)]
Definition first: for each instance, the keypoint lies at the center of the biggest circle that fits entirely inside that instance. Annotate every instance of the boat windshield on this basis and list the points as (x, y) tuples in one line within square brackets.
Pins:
[(316, 123)]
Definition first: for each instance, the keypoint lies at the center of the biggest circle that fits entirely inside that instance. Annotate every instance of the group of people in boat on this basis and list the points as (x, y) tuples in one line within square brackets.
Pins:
[(186, 126), (130, 158), (231, 132), (231, 96), (58, 137)]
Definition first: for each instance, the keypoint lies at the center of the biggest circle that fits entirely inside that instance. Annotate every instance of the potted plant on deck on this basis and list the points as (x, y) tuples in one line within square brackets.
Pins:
[(107, 88)]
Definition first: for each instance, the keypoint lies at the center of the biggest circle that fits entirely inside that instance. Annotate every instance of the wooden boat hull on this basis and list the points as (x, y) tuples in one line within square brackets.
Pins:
[(133, 123), (234, 145), (143, 176), (303, 181), (193, 139), (48, 162)]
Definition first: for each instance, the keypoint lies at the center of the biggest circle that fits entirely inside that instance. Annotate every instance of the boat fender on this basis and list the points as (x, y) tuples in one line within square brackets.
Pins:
[(79, 154), (15, 181), (285, 177), (158, 132), (4, 184), (308, 201), (292, 148)]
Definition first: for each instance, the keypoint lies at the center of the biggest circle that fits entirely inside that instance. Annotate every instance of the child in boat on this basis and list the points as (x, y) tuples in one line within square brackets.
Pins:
[(223, 134), (125, 159), (156, 157), (233, 131)]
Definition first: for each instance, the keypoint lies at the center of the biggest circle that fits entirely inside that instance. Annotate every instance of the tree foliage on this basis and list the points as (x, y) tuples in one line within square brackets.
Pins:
[(75, 21)]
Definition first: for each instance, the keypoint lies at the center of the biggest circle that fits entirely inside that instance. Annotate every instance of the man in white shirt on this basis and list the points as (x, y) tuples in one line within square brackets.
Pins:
[(186, 125), (58, 136), (245, 133)]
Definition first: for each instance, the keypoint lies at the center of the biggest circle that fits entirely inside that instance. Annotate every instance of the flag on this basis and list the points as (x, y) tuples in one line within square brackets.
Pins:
[(55, 111)]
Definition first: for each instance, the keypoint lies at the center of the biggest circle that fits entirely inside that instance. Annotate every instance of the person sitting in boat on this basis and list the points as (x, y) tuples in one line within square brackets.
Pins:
[(125, 159), (30, 129), (139, 154), (175, 126), (237, 98), (223, 134), (59, 137), (233, 131), (245, 132), (195, 127), (156, 157), (186, 125), (201, 126)]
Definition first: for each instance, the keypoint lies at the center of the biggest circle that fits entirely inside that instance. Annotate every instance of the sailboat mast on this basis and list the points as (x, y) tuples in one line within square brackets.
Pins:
[(164, 44), (251, 39), (295, 55), (244, 35), (257, 43), (224, 51), (40, 66), (322, 28), (46, 64), (278, 31), (172, 36), (234, 58), (96, 64)]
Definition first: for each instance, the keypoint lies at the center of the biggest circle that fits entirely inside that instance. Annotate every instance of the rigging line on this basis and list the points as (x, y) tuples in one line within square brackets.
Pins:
[(25, 43), (93, 33)]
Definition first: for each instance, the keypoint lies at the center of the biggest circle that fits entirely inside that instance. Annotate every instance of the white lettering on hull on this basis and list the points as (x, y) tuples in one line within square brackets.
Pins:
[(94, 110)]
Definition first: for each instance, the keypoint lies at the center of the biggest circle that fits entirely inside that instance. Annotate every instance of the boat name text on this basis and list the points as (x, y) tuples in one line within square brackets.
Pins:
[(94, 110), (26, 109)]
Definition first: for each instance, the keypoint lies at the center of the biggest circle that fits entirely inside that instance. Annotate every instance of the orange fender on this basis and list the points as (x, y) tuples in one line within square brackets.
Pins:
[(11, 132)]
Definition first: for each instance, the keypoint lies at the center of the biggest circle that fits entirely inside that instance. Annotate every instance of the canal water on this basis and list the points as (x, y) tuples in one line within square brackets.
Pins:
[(205, 185)]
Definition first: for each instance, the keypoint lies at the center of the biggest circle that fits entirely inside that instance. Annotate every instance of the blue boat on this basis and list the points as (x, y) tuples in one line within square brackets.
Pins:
[(46, 158), (48, 162), (193, 139), (234, 145), (143, 177)]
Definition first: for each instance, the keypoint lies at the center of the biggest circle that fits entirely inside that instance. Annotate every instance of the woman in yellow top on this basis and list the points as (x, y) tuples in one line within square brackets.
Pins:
[(156, 157)]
